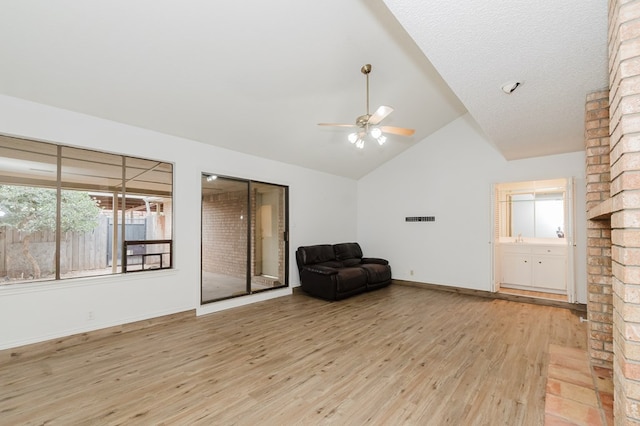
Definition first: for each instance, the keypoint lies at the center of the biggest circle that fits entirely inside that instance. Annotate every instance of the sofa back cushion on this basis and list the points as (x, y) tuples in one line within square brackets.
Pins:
[(312, 255), (347, 253)]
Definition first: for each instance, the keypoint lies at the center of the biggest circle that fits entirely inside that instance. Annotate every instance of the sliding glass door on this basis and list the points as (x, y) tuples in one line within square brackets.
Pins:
[(268, 242), (244, 230)]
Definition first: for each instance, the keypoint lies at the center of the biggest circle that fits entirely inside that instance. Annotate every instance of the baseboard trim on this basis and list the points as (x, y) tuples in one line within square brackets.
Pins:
[(55, 345), (577, 307)]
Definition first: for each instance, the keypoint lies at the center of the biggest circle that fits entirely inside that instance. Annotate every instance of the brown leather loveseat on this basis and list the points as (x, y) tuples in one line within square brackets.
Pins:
[(334, 272)]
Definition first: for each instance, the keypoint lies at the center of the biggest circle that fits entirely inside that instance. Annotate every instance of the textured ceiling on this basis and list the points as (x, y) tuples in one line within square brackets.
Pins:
[(557, 49), (257, 76)]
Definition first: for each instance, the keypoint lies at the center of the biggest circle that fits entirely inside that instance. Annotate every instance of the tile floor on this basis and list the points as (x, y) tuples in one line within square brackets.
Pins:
[(577, 393)]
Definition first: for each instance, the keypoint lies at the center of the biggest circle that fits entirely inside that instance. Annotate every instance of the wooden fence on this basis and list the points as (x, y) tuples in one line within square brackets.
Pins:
[(78, 251)]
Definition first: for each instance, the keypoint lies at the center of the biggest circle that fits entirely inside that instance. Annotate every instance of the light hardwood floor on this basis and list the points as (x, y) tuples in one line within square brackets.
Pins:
[(399, 355)]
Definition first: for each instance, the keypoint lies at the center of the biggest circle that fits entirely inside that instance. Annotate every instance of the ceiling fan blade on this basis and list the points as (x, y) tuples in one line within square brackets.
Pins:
[(397, 130), (337, 125), (380, 114)]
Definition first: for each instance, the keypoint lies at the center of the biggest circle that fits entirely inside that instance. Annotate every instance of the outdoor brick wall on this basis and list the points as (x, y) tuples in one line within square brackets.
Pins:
[(624, 72), (224, 234), (600, 299)]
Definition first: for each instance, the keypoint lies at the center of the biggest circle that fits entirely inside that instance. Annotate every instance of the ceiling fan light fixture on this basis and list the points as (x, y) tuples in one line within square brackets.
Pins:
[(367, 123)]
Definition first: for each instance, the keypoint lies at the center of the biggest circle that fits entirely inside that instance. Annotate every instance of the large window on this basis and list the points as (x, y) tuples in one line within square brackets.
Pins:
[(70, 212)]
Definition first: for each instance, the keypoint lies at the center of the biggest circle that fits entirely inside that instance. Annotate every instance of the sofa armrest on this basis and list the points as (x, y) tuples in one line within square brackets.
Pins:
[(322, 270), (375, 260)]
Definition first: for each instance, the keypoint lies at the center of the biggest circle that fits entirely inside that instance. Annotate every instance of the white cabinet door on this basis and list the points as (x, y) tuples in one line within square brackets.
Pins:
[(550, 272), (516, 269), (538, 267)]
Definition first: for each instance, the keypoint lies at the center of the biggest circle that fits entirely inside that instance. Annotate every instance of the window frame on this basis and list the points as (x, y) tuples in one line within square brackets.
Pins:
[(16, 173)]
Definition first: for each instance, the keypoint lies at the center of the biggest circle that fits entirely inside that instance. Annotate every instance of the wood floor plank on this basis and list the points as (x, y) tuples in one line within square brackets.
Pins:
[(400, 355)]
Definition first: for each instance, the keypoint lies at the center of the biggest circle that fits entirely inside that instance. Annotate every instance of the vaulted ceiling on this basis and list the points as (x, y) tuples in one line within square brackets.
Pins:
[(257, 77)]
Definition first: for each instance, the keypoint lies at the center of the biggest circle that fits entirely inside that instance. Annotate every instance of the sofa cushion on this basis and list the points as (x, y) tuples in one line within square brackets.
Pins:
[(347, 263), (310, 255), (346, 251), (351, 279), (377, 273), (330, 264)]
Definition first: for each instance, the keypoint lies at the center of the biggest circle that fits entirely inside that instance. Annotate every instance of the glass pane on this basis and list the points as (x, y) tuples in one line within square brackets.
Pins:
[(148, 204), (225, 230), (268, 230), (83, 239), (147, 208), (28, 175), (28, 163), (148, 177), (91, 181), (550, 215), (522, 215), (91, 170), (27, 233)]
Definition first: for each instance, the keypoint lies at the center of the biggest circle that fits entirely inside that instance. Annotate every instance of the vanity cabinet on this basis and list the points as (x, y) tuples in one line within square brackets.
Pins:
[(516, 266), (535, 267)]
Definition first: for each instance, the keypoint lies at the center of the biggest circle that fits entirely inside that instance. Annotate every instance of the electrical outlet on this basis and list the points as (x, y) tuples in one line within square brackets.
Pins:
[(90, 316), (411, 272)]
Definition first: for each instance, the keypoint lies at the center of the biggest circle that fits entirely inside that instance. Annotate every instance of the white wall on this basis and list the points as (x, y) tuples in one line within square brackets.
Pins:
[(322, 209), (449, 175)]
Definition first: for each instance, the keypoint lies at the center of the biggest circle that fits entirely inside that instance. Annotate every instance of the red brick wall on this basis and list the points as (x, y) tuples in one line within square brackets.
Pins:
[(224, 233)]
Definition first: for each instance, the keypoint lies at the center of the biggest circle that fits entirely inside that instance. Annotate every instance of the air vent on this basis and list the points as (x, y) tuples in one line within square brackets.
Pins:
[(420, 219)]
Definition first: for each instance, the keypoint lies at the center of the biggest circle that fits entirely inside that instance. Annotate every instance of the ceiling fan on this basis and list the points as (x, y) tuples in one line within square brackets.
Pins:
[(368, 124)]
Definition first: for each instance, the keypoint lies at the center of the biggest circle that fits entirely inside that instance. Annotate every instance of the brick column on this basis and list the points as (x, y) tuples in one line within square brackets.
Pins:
[(624, 72), (600, 300)]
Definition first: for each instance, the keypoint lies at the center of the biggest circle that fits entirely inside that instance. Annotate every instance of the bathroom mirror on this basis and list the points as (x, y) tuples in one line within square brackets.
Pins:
[(536, 215), (535, 209)]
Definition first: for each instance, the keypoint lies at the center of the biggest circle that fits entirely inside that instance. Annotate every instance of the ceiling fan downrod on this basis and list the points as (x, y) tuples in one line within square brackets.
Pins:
[(366, 69)]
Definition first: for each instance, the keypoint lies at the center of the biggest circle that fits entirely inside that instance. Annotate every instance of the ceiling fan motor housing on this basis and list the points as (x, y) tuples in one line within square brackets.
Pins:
[(363, 120)]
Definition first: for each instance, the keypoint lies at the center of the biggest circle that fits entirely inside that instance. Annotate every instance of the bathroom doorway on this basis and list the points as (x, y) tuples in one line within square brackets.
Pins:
[(534, 239)]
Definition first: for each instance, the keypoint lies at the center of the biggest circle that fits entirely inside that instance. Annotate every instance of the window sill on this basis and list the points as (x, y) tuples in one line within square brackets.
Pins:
[(52, 285)]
